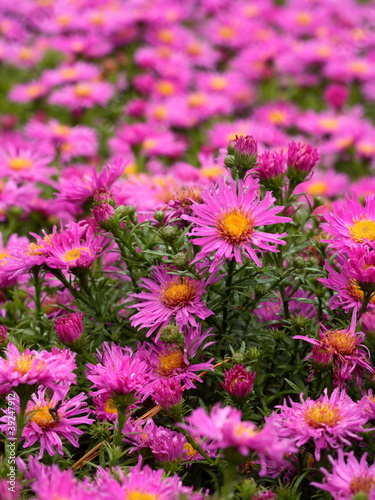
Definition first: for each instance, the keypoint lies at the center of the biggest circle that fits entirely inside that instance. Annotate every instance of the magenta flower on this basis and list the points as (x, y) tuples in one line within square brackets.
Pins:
[(50, 420), (349, 477), (238, 382), (119, 372), (50, 482), (85, 94), (75, 246), (351, 223), (271, 165), (226, 221), (349, 294), (246, 145), (224, 428), (343, 349), (69, 328), (167, 392), (171, 362), (47, 369), (301, 159), (170, 297), (328, 422), (141, 483)]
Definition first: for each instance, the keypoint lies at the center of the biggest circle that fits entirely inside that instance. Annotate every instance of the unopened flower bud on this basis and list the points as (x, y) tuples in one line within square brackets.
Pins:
[(301, 159), (69, 328), (159, 215), (180, 260), (167, 392), (243, 154), (125, 211), (169, 233), (321, 358), (103, 195), (105, 216), (170, 334), (3, 334), (238, 382)]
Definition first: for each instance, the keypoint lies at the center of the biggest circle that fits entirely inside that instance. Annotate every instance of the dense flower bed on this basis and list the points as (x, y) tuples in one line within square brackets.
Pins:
[(187, 265)]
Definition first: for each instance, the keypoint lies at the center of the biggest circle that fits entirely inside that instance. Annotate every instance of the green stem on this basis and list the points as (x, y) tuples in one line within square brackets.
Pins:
[(228, 284), (38, 303), (122, 417)]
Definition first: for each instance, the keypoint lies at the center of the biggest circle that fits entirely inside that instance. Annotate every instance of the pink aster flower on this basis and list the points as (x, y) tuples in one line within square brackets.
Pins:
[(51, 420), (167, 392), (85, 94), (75, 246), (350, 290), (78, 188), (172, 362), (169, 297), (351, 223), (141, 483), (343, 349), (51, 482), (48, 369), (328, 422), (349, 477), (24, 160), (226, 221), (118, 372), (224, 428)]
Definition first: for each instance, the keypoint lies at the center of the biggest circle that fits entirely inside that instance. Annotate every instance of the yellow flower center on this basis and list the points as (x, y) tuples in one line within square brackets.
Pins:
[(322, 415), (303, 18), (194, 49), (366, 148), (329, 124), (235, 226), (82, 90), (363, 229), (277, 116), (24, 364), (166, 36), (160, 112), (171, 361), (110, 406), (196, 100), (212, 172), (178, 293), (42, 417), (185, 195), (244, 430), (3, 255), (149, 144), (19, 163), (26, 54), (68, 73), (166, 88), (74, 254), (35, 249), (64, 19), (361, 484), (360, 67), (219, 83), (139, 495), (189, 450), (226, 32), (341, 341), (63, 130), (317, 188)]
